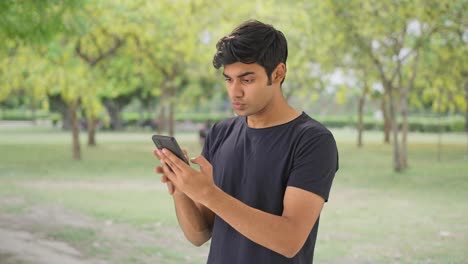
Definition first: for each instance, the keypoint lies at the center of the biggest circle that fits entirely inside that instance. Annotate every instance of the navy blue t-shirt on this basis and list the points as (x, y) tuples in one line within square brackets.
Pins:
[(255, 166)]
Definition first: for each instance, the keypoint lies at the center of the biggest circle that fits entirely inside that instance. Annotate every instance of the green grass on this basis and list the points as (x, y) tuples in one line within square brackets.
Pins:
[(120, 206), (84, 239), (374, 215)]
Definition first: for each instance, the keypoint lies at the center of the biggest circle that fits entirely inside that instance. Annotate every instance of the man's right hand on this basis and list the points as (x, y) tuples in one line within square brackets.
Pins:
[(164, 179), (195, 219)]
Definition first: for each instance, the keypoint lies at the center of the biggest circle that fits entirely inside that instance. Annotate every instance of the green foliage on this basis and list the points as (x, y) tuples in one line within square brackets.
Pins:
[(431, 124), (147, 50), (416, 124), (444, 71), (20, 114), (31, 21)]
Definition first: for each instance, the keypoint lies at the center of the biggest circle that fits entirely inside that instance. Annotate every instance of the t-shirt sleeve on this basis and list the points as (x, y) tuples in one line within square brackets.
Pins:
[(315, 164), (206, 146)]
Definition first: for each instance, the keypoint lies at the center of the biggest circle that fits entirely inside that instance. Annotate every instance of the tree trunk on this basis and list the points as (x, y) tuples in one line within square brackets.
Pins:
[(359, 124), (113, 108), (66, 122), (362, 101), (466, 104), (141, 114), (162, 113), (75, 130), (439, 124), (33, 111), (57, 104), (91, 131), (404, 128), (162, 118), (386, 118), (405, 90), (466, 113), (171, 111), (397, 166), (439, 138)]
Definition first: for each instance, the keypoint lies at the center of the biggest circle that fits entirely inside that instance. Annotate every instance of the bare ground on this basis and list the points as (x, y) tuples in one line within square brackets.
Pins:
[(24, 236), (27, 237)]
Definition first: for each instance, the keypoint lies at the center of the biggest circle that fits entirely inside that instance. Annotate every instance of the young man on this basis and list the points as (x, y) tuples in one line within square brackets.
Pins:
[(264, 174)]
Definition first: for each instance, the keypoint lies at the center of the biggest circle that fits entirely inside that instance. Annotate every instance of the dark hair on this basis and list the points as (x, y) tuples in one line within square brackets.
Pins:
[(253, 42)]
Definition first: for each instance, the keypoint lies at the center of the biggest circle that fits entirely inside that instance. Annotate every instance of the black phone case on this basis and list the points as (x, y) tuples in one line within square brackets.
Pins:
[(169, 143)]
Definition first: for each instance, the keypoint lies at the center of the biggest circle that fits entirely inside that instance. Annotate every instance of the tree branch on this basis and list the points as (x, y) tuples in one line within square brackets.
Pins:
[(118, 42), (413, 74), (93, 38)]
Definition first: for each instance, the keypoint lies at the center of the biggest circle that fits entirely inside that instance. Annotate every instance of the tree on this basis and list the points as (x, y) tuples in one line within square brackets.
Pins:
[(93, 54), (33, 22), (70, 80), (391, 35)]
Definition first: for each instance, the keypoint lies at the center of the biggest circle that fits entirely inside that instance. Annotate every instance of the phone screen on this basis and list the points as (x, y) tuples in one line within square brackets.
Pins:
[(169, 143)]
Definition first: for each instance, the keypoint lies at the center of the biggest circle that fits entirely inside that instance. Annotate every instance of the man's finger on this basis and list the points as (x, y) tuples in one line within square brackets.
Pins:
[(158, 169), (174, 162), (168, 172), (170, 187), (185, 153), (164, 179), (156, 152), (201, 161)]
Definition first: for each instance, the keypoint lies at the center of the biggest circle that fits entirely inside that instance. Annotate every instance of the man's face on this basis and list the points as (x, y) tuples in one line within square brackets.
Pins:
[(247, 88)]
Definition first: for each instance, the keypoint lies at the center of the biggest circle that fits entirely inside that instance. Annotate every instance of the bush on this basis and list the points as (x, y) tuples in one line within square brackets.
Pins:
[(416, 123), (22, 115), (201, 117)]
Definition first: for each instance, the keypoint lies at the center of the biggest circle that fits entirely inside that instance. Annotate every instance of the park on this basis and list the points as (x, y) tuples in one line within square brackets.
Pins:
[(85, 84), (112, 206)]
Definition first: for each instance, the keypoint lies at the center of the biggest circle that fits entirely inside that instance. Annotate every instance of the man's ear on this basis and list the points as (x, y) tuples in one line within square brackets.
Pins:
[(279, 73)]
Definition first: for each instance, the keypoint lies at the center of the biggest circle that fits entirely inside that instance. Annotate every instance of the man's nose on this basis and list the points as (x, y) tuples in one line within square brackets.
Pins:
[(236, 90)]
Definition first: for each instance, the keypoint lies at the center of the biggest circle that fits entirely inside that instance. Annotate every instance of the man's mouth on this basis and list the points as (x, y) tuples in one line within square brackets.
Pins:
[(237, 105)]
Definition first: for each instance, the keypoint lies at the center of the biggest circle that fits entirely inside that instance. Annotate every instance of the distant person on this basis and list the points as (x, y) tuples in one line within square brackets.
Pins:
[(266, 173), (203, 132)]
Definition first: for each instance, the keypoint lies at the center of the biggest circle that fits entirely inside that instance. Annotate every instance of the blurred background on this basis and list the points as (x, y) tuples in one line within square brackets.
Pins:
[(84, 85)]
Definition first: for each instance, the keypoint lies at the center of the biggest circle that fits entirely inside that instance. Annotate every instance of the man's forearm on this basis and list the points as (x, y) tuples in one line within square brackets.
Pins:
[(271, 231), (278, 233), (195, 223)]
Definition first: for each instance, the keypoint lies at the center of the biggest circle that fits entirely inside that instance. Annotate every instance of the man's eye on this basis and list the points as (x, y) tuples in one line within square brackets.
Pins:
[(247, 80), (228, 79)]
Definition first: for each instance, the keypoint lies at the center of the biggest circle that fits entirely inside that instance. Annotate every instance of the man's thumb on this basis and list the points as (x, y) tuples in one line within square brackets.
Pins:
[(200, 161)]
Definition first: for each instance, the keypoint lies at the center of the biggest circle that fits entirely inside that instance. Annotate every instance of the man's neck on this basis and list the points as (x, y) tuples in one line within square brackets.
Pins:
[(278, 114)]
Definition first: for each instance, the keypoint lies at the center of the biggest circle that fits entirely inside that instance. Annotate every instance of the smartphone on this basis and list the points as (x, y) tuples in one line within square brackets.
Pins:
[(169, 143)]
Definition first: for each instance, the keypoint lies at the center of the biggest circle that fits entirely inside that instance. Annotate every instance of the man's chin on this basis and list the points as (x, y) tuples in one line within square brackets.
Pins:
[(240, 112)]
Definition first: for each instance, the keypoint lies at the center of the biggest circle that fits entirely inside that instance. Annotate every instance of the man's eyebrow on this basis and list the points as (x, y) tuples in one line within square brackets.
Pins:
[(240, 75), (245, 74)]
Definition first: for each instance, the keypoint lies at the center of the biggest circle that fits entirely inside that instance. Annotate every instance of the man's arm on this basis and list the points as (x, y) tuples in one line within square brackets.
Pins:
[(195, 220), (283, 234)]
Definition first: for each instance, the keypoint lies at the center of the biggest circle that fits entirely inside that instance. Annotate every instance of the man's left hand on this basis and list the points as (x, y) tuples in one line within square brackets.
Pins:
[(196, 184)]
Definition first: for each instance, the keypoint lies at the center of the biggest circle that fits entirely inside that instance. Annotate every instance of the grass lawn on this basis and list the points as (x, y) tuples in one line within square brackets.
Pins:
[(373, 215)]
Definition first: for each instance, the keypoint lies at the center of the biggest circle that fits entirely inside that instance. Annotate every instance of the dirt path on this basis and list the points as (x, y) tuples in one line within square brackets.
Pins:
[(24, 247), (32, 235), (23, 236)]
